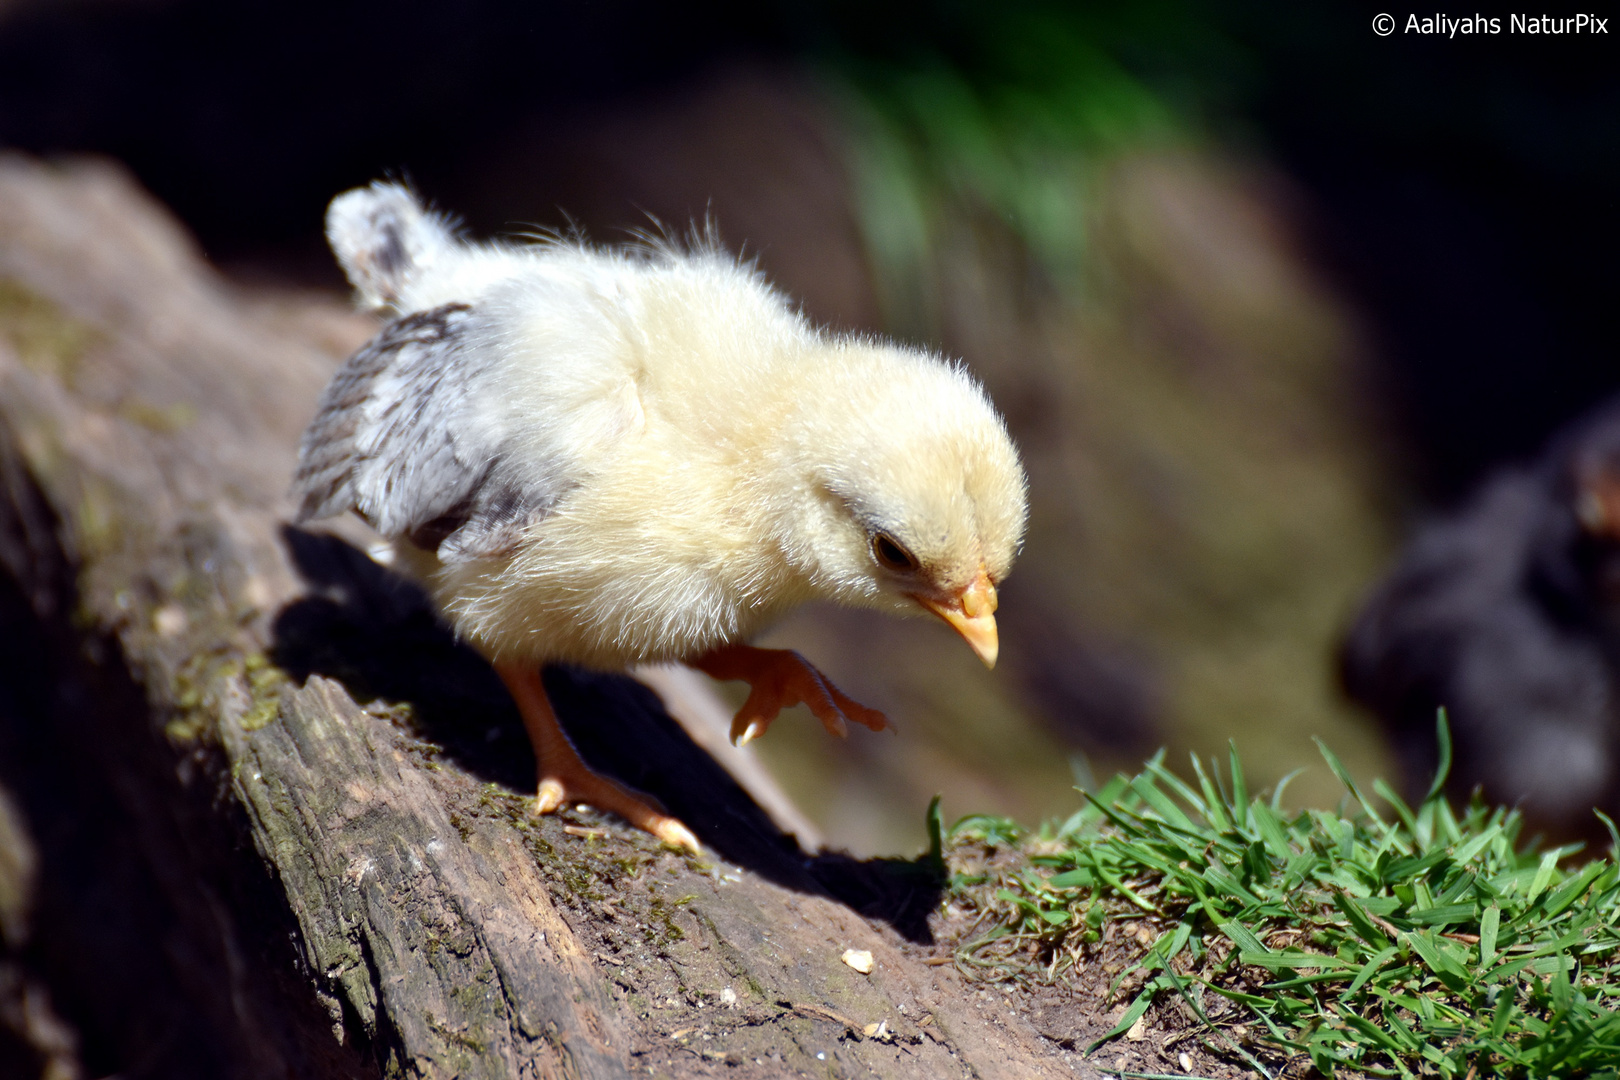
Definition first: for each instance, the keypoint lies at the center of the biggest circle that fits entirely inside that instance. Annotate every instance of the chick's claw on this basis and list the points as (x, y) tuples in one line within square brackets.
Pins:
[(581, 785), (780, 679), (564, 776)]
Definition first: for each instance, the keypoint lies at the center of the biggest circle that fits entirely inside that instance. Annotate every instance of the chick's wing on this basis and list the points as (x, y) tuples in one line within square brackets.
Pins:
[(399, 437)]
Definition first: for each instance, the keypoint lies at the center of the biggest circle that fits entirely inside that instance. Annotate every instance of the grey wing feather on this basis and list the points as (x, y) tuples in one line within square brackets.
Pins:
[(397, 439)]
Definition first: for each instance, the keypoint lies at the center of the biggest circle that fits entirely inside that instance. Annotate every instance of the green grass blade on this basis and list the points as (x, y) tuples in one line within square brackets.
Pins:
[(1402, 811), (1442, 733), (1271, 830), (1544, 874), (1132, 1015), (1489, 924), (1346, 779), (1240, 786), (1215, 803), (1282, 786), (1368, 970), (1161, 803), (1614, 833)]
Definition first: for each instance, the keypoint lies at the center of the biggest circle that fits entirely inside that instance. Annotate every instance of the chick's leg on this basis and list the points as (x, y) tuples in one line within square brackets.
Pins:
[(564, 776), (781, 679)]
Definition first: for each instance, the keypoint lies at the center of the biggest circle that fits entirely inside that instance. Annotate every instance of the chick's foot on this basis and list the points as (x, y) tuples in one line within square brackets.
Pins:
[(781, 679), (564, 776)]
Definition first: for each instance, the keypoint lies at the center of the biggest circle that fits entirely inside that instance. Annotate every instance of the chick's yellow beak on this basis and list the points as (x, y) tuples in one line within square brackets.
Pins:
[(971, 613)]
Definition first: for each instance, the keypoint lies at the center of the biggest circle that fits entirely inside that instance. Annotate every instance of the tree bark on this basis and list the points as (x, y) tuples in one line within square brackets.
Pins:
[(266, 818)]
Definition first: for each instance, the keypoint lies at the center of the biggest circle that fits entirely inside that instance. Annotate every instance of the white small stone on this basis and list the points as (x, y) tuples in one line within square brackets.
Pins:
[(257, 593), (170, 620), (728, 997), (859, 959)]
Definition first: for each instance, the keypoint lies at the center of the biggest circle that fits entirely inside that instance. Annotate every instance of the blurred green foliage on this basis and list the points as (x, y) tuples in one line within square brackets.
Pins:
[(1007, 113), (1015, 135)]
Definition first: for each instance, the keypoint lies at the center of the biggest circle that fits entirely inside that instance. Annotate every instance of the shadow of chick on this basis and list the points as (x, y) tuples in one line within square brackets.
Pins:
[(375, 632)]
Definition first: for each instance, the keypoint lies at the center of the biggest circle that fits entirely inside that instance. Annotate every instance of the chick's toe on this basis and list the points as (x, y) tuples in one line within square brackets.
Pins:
[(564, 776), (780, 679), (575, 782)]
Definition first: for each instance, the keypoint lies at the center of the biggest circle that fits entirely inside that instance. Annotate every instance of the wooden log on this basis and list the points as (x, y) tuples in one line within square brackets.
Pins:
[(280, 820)]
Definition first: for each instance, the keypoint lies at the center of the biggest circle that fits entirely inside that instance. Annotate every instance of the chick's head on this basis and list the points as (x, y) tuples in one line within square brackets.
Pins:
[(912, 496)]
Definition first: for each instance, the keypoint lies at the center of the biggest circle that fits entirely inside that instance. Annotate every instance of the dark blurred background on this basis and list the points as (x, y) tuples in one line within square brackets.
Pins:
[(1257, 288)]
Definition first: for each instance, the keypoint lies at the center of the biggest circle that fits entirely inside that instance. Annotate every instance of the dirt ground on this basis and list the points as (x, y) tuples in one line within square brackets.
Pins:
[(640, 921)]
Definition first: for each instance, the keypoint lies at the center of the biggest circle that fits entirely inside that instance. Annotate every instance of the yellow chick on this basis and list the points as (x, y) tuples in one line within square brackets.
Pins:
[(614, 457)]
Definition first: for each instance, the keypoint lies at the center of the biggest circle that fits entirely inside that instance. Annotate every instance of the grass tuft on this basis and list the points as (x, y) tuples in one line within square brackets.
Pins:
[(1418, 942)]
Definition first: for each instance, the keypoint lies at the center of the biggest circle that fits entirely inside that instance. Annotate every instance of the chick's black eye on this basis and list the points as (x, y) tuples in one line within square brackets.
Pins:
[(892, 554)]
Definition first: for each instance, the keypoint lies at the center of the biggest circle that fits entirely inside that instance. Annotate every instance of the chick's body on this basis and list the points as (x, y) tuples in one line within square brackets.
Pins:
[(612, 457)]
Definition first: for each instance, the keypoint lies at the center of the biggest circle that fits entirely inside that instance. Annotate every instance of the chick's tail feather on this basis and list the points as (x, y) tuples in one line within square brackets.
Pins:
[(384, 237)]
